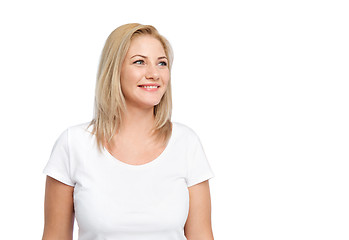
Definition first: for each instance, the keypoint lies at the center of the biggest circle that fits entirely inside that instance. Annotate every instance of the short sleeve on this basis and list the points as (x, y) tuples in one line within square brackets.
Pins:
[(199, 168), (58, 165)]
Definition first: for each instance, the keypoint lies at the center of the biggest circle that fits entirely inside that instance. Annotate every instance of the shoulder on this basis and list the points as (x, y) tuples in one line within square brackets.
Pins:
[(77, 137), (185, 131), (79, 128), (77, 132)]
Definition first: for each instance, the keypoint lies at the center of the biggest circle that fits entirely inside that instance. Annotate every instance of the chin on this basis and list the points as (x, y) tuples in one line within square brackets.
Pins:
[(150, 104)]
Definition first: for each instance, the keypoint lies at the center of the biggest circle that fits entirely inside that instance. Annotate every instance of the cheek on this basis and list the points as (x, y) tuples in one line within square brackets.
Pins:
[(166, 77), (130, 76)]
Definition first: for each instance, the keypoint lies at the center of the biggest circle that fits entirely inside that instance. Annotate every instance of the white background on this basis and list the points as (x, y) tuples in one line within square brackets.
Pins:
[(263, 83)]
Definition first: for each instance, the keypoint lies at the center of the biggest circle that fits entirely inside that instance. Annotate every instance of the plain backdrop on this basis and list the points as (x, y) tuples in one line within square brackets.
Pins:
[(263, 83)]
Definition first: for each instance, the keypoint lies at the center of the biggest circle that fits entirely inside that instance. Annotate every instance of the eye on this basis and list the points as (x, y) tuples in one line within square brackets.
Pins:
[(163, 63), (138, 62)]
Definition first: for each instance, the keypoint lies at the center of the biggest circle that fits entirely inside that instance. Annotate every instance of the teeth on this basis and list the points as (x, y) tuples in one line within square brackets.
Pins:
[(149, 86)]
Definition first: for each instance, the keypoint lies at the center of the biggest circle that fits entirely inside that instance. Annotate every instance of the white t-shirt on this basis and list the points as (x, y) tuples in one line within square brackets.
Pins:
[(115, 200)]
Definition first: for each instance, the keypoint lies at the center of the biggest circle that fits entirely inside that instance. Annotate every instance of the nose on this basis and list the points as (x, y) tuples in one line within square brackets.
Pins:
[(152, 72)]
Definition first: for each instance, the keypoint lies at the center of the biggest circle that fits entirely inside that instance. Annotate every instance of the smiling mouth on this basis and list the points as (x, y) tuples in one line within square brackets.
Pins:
[(150, 87)]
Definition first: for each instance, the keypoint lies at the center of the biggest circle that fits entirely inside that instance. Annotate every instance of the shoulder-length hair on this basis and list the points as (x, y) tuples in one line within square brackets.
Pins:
[(109, 104)]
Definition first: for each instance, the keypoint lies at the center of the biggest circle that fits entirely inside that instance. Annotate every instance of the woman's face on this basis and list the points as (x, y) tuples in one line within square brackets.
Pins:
[(145, 64)]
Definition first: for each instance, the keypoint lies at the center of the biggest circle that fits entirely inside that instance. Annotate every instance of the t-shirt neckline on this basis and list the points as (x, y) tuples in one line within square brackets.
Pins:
[(148, 164)]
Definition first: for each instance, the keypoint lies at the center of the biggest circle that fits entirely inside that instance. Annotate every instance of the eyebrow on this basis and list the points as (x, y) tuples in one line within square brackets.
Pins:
[(138, 55)]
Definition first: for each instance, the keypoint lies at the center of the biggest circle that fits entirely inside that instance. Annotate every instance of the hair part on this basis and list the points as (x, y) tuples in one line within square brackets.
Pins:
[(109, 102)]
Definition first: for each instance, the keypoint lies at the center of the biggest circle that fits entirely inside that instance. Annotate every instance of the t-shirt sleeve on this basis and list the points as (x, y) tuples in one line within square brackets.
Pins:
[(199, 168), (58, 165)]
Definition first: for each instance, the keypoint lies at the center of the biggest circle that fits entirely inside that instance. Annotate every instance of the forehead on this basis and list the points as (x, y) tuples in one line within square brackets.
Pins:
[(146, 45)]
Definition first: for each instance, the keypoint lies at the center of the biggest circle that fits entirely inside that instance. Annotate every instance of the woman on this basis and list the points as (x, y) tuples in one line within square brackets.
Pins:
[(130, 173)]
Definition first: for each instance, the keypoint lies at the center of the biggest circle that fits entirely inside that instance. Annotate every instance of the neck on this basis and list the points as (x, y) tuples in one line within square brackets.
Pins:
[(137, 122)]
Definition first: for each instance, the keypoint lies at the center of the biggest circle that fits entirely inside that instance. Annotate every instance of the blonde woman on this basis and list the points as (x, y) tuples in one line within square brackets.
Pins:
[(130, 173)]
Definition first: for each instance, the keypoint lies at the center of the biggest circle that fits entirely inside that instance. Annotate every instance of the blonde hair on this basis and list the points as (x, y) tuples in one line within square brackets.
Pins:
[(109, 104)]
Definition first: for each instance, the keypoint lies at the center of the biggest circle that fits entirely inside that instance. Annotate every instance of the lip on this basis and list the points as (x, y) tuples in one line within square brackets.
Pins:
[(150, 89), (149, 84)]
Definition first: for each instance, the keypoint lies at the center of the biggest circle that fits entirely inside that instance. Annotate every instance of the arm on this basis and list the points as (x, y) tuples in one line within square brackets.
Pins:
[(59, 210), (198, 225)]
